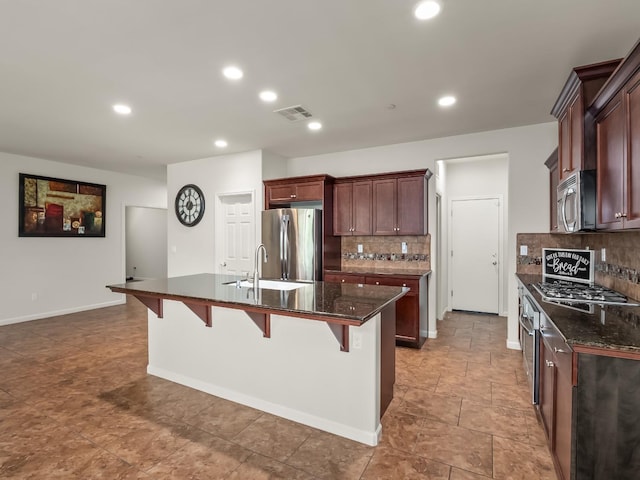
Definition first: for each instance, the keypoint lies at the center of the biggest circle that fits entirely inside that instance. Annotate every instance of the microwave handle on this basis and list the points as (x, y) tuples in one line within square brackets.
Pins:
[(567, 192)]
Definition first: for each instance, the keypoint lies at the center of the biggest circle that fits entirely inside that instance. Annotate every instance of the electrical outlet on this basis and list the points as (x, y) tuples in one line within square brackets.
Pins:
[(603, 254), (524, 250), (404, 247), (360, 249), (356, 340), (34, 296)]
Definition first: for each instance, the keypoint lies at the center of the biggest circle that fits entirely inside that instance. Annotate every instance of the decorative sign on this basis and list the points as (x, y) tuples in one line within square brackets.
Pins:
[(571, 265)]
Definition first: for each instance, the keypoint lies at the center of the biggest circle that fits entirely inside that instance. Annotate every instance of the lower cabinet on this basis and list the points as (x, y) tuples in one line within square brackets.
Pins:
[(410, 309), (589, 401), (556, 396)]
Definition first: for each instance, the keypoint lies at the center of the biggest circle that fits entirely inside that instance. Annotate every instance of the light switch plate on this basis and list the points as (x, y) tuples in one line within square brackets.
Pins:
[(404, 247), (524, 250), (360, 248)]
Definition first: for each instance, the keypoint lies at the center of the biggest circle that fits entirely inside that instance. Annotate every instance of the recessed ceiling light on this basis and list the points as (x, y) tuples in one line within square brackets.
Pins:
[(220, 143), (426, 10), (314, 125), (122, 109), (268, 96), (232, 73), (446, 101)]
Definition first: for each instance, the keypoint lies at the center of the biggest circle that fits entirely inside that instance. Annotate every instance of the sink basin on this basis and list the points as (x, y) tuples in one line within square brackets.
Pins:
[(269, 284)]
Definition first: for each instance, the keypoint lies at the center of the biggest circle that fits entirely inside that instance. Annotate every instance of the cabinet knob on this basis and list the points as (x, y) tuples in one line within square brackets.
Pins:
[(617, 215), (404, 284), (559, 350), (377, 283), (565, 170), (549, 363), (623, 215), (293, 195), (342, 280)]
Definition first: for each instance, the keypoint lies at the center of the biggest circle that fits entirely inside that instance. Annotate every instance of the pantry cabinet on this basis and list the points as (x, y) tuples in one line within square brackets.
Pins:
[(617, 110)]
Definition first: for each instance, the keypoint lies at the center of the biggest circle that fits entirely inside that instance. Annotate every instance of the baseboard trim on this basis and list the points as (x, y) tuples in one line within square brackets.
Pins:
[(513, 345), (55, 313), (429, 333)]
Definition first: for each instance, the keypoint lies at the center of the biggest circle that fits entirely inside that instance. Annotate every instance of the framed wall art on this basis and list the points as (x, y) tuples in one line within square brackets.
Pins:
[(53, 207)]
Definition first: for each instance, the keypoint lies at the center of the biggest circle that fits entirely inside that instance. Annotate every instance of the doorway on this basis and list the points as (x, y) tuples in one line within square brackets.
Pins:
[(235, 233), (145, 243), (475, 254)]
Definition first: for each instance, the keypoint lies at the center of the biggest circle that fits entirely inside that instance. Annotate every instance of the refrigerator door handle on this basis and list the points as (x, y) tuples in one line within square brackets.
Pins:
[(285, 246)]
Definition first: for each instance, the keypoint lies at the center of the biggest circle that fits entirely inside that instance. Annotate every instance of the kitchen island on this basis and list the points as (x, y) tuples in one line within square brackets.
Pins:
[(321, 354)]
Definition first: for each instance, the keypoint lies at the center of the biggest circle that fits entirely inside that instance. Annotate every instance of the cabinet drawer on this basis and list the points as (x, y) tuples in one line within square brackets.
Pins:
[(413, 284), (343, 278)]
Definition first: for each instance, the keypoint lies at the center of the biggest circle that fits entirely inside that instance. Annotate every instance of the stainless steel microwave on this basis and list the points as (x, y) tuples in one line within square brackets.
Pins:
[(577, 202)]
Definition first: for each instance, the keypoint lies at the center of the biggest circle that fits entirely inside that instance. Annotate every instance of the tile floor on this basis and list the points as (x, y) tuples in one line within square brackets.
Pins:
[(76, 402)]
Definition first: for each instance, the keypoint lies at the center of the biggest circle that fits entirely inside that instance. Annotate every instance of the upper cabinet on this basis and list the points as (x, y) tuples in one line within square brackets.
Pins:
[(617, 113), (576, 142), (287, 191), (386, 204), (352, 207), (400, 203), (552, 165)]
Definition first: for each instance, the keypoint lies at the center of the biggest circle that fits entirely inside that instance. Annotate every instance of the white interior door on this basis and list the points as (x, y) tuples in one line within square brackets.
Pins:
[(475, 254), (237, 238)]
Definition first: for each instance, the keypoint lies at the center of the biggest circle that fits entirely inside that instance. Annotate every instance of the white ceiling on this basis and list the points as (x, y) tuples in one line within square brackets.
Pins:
[(64, 63)]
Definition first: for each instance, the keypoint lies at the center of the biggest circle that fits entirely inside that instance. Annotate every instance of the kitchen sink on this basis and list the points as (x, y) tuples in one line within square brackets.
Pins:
[(268, 284)]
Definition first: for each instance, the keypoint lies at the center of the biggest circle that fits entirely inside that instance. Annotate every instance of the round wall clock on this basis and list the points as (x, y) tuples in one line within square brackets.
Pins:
[(190, 205)]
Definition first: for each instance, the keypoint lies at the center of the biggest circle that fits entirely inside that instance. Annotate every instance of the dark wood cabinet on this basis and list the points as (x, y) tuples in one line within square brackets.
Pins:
[(617, 112), (400, 203), (554, 179), (315, 191), (287, 191), (352, 208), (411, 310), (576, 130), (556, 396)]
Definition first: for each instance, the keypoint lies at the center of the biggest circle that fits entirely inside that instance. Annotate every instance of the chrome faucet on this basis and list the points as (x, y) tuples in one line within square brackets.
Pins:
[(256, 274)]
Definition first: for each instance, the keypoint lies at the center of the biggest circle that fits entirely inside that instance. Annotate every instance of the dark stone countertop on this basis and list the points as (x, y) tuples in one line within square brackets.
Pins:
[(352, 302), (608, 327), (396, 271)]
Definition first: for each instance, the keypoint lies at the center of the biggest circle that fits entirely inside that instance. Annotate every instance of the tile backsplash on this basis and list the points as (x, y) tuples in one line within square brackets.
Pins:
[(386, 252), (620, 270)]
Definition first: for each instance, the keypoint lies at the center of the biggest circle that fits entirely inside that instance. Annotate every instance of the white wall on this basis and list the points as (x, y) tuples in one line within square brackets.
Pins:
[(146, 242), (192, 249), (66, 274), (527, 148), (481, 177)]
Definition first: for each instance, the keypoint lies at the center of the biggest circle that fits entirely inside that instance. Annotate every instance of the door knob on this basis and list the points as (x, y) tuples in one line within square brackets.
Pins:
[(223, 264), (494, 263)]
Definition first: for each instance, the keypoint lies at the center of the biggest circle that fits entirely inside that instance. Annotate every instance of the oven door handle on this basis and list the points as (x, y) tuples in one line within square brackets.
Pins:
[(527, 325)]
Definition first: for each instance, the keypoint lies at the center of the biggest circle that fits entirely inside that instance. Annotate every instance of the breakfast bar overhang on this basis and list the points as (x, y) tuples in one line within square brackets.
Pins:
[(321, 354)]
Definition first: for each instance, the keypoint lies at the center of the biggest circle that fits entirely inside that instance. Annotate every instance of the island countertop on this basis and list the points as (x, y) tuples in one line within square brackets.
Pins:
[(350, 304)]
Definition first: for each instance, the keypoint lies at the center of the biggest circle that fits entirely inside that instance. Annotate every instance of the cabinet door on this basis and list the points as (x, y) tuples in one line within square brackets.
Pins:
[(384, 206), (411, 218), (361, 212), (547, 390), (576, 126), (342, 208), (632, 185), (281, 193), (564, 147), (312, 191), (610, 134), (563, 412)]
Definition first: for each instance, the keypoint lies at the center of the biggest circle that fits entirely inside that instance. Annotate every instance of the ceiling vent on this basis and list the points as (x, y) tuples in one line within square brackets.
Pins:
[(295, 113)]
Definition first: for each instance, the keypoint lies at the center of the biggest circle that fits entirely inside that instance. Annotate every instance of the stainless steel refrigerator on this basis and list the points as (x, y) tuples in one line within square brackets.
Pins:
[(293, 239)]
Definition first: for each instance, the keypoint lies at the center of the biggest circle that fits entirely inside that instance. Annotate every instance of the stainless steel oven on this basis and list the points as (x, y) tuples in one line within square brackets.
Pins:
[(529, 319)]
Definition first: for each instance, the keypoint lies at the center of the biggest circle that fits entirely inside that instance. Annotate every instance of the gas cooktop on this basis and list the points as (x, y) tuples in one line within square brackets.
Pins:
[(571, 292)]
